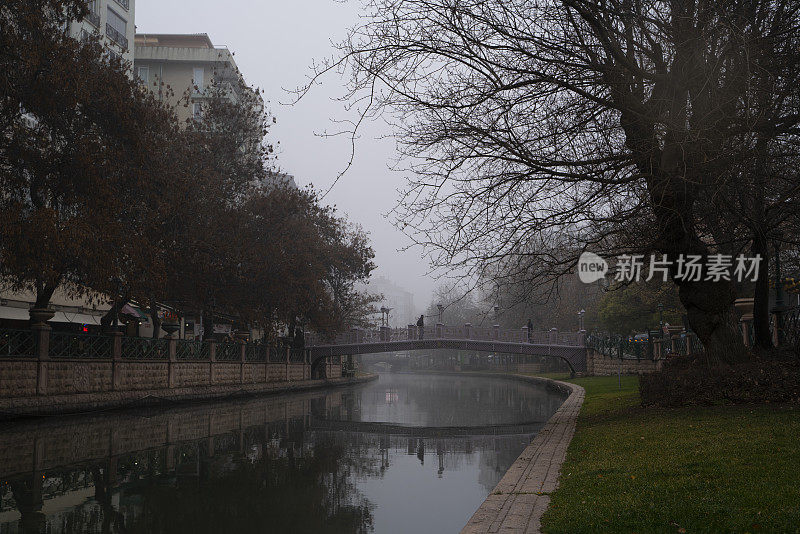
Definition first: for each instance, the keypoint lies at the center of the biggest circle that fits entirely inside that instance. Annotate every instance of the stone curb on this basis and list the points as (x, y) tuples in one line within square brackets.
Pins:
[(12, 408), (521, 497)]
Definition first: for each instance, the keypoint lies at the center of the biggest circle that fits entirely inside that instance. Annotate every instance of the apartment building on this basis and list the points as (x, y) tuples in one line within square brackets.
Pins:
[(173, 64), (114, 21)]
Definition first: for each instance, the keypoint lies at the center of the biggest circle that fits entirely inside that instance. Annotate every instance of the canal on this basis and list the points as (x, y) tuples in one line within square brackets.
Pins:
[(404, 453)]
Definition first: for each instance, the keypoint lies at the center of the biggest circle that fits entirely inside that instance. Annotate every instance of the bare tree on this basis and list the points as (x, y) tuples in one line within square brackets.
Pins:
[(539, 129)]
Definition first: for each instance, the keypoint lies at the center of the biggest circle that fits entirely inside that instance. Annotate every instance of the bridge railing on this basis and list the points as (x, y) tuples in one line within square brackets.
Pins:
[(451, 332)]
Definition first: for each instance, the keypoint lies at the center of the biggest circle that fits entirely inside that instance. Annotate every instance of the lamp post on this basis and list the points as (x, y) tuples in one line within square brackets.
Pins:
[(496, 312), (580, 319), (661, 319), (441, 309)]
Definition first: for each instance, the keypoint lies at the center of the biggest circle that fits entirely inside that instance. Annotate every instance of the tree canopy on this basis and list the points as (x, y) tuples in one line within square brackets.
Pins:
[(538, 130), (103, 191)]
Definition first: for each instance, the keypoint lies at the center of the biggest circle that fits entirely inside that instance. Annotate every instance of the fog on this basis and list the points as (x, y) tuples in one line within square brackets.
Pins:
[(274, 45)]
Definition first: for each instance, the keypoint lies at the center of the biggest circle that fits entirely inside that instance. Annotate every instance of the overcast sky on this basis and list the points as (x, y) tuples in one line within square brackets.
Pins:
[(274, 44)]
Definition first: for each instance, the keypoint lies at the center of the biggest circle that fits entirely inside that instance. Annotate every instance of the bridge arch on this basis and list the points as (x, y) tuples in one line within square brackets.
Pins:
[(573, 355)]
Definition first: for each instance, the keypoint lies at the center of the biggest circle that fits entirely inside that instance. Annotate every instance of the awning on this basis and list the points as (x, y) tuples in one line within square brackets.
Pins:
[(17, 314), (79, 318), (133, 311)]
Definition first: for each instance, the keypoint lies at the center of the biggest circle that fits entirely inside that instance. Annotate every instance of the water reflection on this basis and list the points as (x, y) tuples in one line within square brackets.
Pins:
[(392, 456)]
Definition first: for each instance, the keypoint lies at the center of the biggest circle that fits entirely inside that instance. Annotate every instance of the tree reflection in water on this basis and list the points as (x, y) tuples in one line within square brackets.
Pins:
[(317, 462)]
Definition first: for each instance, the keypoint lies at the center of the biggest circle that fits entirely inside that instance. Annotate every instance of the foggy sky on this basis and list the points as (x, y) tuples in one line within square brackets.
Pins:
[(274, 44)]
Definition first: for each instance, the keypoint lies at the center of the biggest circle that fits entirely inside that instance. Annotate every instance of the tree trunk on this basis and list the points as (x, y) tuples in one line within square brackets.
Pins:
[(109, 320), (153, 311), (709, 306), (763, 338), (208, 324), (44, 292)]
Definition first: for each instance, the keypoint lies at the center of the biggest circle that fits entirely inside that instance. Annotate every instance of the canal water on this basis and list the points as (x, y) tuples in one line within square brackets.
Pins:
[(405, 453)]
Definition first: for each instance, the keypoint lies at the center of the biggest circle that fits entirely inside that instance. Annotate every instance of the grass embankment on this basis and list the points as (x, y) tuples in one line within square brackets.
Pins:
[(692, 469)]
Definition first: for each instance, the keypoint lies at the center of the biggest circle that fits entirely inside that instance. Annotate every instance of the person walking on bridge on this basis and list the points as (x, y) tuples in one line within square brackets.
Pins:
[(421, 325)]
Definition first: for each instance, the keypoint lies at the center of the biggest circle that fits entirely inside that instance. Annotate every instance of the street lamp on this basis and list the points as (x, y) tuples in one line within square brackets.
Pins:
[(441, 309), (496, 312), (580, 318), (661, 319), (384, 318)]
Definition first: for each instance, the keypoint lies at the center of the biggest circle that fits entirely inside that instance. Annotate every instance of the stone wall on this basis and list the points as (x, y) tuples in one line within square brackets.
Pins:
[(23, 378), (77, 376), (600, 365), (18, 378)]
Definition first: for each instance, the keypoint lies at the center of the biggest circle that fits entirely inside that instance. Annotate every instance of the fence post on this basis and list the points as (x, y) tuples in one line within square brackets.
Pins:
[(172, 360), (412, 330), (42, 333), (526, 335), (212, 357), (468, 330), (116, 360), (242, 358), (553, 336), (386, 333), (439, 331), (496, 332)]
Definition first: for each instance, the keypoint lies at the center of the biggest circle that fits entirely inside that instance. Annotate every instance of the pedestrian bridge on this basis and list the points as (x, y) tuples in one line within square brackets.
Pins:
[(569, 347)]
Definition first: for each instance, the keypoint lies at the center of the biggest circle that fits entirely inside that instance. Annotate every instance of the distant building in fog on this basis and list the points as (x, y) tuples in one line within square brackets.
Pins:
[(401, 301)]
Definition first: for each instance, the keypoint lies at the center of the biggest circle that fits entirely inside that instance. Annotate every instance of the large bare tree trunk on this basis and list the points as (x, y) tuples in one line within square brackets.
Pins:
[(709, 304), (763, 339), (712, 317)]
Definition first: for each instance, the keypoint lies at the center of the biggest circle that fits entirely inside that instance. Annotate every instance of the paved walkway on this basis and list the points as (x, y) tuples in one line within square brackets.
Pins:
[(517, 503)]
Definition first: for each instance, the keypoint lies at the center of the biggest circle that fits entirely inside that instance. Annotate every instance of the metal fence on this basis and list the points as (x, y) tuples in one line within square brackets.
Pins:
[(65, 345), (138, 348), (18, 344), (228, 352), (192, 350), (297, 355), (256, 352), (617, 346), (277, 355)]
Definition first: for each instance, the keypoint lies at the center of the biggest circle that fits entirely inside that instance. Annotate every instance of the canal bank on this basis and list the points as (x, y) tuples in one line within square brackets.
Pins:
[(72, 403), (522, 496)]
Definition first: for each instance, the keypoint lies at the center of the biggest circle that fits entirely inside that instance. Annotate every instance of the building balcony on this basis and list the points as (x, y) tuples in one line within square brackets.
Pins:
[(116, 36), (223, 89), (123, 3), (93, 19)]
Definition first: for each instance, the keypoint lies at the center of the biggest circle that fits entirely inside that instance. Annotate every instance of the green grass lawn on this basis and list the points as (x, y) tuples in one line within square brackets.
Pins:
[(693, 469)]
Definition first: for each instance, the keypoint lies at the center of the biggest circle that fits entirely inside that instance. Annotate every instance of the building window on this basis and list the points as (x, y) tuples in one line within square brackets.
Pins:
[(144, 74), (197, 78), (117, 28), (94, 12)]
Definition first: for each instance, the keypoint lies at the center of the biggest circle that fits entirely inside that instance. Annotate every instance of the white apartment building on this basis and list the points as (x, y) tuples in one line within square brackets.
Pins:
[(114, 21), (184, 62)]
